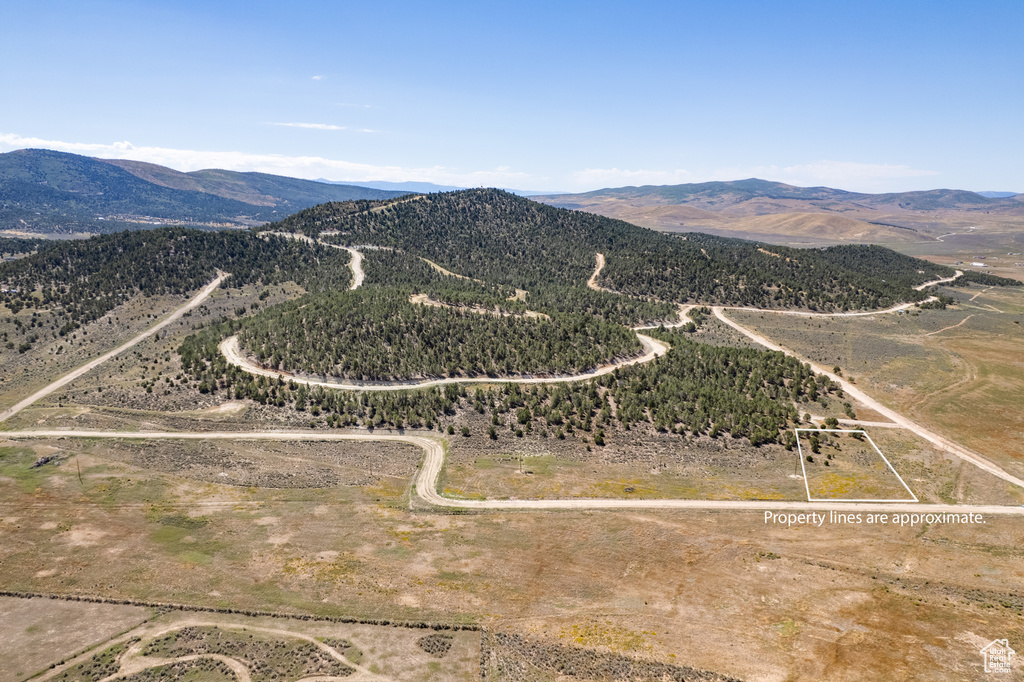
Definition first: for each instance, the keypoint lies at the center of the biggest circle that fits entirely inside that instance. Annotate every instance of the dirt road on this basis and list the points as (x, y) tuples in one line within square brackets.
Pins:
[(356, 264), (74, 374), (952, 326), (231, 350), (433, 447), (592, 282), (941, 280), (853, 391)]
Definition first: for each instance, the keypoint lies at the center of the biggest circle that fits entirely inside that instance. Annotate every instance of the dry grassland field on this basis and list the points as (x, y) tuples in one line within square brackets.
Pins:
[(661, 586), (960, 370), (222, 558)]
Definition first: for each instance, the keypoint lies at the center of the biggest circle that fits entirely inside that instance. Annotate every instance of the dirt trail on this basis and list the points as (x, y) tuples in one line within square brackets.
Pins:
[(952, 326), (135, 666), (861, 422), (592, 282), (684, 310), (937, 440), (941, 280), (426, 479), (684, 317), (446, 272), (200, 623), (132, 662), (92, 364), (424, 299), (978, 294), (653, 348)]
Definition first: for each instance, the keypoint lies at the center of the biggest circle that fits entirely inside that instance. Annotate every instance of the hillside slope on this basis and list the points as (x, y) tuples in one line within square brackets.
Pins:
[(508, 240), (44, 191)]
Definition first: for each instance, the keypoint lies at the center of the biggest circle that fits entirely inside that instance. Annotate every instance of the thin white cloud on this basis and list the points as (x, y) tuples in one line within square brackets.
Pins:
[(310, 126), (864, 177), (318, 78), (594, 178), (309, 167)]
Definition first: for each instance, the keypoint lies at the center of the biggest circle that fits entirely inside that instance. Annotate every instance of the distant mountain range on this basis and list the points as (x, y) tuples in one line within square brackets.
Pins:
[(761, 209), (44, 191), (49, 192), (429, 187)]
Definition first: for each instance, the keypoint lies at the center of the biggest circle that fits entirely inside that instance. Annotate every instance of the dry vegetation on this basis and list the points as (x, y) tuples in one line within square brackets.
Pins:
[(965, 382), (208, 645), (38, 632), (845, 466), (663, 588)]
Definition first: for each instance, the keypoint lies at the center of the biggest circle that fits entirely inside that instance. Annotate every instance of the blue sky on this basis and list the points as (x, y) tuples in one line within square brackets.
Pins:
[(869, 96)]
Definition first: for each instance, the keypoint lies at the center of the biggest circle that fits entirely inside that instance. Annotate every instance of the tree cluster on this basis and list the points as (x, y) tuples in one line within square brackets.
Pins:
[(374, 334), (984, 279)]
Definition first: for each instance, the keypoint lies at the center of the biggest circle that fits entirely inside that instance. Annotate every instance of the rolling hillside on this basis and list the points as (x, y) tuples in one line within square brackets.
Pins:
[(51, 192), (763, 209), (512, 241)]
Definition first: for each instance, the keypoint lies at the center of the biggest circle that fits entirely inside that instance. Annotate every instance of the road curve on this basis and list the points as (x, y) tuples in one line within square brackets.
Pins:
[(433, 447), (74, 374), (893, 309), (355, 265), (941, 280), (592, 282), (231, 350), (933, 438)]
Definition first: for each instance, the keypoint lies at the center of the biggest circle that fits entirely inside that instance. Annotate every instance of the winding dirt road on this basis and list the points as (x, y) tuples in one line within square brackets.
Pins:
[(355, 265), (941, 280), (92, 364), (433, 447), (231, 350), (425, 484), (952, 326)]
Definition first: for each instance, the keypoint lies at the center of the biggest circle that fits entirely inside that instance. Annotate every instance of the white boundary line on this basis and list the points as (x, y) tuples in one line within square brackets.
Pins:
[(807, 485)]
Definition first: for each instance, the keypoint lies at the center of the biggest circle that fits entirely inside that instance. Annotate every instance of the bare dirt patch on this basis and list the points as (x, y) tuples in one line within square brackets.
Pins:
[(37, 632)]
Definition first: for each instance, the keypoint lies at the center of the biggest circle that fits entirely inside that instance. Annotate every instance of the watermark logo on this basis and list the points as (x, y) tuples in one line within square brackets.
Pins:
[(998, 655)]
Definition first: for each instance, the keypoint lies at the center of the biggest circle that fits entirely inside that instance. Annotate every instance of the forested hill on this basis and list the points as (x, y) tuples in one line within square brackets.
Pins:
[(80, 280), (45, 191), (506, 239)]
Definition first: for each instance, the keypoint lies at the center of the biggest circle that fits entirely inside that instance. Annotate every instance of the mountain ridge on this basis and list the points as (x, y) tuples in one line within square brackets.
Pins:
[(44, 191), (742, 207)]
